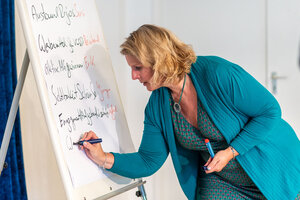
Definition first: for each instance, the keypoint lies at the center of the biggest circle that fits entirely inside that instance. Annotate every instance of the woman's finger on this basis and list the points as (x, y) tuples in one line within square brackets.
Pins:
[(92, 135), (87, 135), (89, 146), (83, 137), (208, 161), (213, 163)]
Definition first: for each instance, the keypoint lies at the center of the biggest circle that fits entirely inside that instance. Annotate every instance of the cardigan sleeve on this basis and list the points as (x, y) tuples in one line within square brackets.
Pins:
[(254, 101), (151, 155)]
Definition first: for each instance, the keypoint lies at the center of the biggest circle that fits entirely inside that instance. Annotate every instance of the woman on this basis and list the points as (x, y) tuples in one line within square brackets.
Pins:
[(198, 98)]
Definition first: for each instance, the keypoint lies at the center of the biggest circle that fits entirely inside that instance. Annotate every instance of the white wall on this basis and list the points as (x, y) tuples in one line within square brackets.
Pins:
[(231, 29)]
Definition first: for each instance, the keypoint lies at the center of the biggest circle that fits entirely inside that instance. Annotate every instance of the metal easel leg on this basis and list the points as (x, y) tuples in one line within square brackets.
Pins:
[(13, 112), (125, 189), (141, 192)]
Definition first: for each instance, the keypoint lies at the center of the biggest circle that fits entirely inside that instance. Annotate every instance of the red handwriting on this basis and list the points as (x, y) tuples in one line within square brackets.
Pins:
[(78, 13), (104, 92), (89, 61), (105, 95), (112, 109), (88, 40)]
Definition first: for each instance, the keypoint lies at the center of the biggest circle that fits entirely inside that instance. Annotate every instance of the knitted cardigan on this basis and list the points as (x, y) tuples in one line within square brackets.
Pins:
[(247, 115)]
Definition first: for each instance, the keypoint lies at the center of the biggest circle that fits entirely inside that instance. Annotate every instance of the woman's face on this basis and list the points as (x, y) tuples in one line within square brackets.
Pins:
[(140, 72)]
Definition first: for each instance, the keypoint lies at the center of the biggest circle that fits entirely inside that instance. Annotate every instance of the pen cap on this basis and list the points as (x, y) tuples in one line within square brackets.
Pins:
[(206, 141)]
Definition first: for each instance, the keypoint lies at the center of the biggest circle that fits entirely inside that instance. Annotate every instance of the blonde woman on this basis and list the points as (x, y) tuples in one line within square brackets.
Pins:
[(257, 154)]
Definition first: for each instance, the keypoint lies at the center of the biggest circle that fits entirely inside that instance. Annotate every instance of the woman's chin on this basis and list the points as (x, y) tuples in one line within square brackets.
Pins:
[(149, 87)]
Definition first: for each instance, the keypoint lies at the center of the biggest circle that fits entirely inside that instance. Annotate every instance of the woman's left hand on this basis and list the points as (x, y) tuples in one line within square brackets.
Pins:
[(219, 161)]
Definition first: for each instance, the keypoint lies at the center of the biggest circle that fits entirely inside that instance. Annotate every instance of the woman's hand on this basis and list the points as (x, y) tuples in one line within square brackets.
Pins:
[(93, 151), (219, 161)]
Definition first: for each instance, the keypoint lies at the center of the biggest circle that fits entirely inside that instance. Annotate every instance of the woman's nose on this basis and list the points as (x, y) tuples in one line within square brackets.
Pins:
[(134, 75)]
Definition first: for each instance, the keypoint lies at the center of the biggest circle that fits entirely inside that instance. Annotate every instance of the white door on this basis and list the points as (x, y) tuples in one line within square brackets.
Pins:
[(284, 57)]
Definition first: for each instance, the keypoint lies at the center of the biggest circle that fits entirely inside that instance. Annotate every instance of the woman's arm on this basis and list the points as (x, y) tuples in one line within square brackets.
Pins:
[(245, 97), (151, 155), (152, 152), (255, 102)]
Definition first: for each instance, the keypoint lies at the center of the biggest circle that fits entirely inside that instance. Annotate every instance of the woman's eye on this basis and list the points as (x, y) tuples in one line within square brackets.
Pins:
[(137, 68)]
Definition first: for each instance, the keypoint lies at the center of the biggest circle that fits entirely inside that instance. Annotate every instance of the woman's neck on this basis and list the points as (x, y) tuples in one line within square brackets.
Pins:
[(176, 89)]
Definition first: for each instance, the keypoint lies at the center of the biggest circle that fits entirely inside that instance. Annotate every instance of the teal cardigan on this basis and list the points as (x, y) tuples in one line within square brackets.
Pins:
[(246, 114)]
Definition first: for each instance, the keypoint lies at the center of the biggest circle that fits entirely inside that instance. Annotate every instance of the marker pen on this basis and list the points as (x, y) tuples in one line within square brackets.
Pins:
[(209, 148), (93, 141)]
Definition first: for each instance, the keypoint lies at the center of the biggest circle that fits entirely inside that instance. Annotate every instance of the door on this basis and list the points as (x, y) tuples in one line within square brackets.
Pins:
[(283, 57)]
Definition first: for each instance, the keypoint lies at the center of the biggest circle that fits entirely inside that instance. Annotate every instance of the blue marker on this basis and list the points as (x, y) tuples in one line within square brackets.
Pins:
[(93, 141), (209, 148)]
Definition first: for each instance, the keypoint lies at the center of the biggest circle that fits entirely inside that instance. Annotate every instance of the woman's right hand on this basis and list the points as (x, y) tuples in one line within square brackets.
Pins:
[(93, 151)]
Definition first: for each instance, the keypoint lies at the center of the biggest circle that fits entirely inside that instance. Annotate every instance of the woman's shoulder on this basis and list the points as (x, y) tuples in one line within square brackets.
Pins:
[(212, 62), (212, 66)]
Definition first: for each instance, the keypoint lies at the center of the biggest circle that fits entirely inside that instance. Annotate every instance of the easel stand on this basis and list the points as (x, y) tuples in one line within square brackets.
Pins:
[(10, 124), (140, 193), (13, 112)]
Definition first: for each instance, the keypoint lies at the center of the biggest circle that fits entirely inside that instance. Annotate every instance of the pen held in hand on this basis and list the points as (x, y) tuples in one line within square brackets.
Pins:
[(93, 141), (211, 152), (209, 148)]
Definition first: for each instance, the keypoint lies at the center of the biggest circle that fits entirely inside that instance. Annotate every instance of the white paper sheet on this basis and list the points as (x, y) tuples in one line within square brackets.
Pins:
[(79, 78)]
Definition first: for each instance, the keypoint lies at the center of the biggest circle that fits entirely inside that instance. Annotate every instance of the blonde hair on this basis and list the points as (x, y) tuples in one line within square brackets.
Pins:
[(160, 49)]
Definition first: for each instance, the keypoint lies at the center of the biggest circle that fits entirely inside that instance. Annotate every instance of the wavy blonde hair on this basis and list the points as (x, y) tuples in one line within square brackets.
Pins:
[(160, 49)]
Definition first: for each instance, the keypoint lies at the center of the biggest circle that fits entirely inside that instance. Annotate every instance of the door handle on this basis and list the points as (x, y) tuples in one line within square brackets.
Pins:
[(274, 78)]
